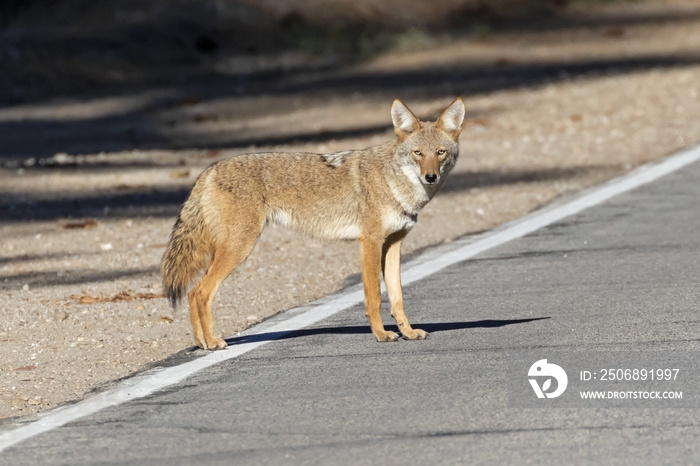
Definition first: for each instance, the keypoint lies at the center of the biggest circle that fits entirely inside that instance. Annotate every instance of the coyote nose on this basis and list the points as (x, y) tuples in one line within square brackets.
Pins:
[(430, 178)]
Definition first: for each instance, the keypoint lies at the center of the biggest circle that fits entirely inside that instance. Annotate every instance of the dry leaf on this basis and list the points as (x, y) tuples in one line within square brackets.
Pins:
[(84, 299), (180, 174), (476, 122), (86, 223), (25, 368), (129, 187), (614, 31), (119, 297)]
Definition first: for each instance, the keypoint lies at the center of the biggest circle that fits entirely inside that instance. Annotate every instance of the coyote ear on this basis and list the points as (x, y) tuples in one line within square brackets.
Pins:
[(405, 122), (452, 118)]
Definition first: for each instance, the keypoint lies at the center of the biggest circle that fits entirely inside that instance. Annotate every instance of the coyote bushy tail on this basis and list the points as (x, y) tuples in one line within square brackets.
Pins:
[(187, 253)]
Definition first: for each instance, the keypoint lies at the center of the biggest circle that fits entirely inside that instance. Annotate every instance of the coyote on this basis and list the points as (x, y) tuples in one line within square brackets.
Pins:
[(373, 195)]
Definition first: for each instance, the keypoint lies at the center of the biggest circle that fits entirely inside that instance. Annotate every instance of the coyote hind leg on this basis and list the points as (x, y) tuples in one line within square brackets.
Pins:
[(226, 258)]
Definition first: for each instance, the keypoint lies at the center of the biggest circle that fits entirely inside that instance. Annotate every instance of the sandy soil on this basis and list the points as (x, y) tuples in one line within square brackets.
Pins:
[(90, 185)]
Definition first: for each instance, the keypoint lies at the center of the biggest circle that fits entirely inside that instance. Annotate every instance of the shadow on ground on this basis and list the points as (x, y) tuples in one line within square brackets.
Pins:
[(70, 277), (365, 329), (169, 123), (167, 202)]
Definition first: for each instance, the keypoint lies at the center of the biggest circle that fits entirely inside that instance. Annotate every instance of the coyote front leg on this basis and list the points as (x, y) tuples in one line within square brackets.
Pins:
[(371, 253), (391, 266)]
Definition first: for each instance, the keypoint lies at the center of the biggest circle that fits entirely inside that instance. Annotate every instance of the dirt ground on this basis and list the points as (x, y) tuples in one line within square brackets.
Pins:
[(90, 184)]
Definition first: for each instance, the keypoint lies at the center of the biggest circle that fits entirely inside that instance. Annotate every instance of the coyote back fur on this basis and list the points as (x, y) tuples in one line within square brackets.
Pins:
[(373, 195)]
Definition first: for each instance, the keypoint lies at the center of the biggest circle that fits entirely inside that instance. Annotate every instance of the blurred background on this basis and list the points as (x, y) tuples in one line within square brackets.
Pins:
[(149, 67), (51, 47)]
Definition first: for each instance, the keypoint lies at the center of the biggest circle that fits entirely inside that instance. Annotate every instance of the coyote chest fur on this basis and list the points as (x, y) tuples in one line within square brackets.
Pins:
[(373, 195)]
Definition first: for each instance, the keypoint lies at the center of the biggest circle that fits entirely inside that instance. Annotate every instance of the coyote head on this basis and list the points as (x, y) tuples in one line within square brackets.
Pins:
[(430, 148)]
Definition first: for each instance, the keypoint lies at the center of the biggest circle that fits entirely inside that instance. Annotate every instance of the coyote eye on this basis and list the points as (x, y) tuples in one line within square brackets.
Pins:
[(441, 152), (417, 152)]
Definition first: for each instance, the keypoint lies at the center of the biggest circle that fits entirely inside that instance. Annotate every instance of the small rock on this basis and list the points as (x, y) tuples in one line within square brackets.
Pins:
[(60, 315), (25, 288), (106, 246)]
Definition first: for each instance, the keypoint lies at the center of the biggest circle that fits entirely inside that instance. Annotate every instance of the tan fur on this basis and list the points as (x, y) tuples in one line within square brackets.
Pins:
[(373, 195)]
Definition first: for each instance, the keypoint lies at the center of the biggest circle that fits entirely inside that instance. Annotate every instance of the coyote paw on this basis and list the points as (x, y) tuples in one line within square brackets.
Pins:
[(415, 334), (387, 336), (213, 343)]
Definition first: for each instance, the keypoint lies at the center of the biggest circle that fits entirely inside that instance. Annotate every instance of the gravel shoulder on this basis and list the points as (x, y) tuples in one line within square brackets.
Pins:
[(90, 186)]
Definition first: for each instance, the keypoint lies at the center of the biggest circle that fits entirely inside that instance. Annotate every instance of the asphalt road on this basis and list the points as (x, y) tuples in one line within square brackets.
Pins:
[(620, 276)]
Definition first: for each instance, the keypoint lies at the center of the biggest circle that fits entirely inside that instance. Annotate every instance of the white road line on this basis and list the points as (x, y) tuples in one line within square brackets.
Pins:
[(419, 268)]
